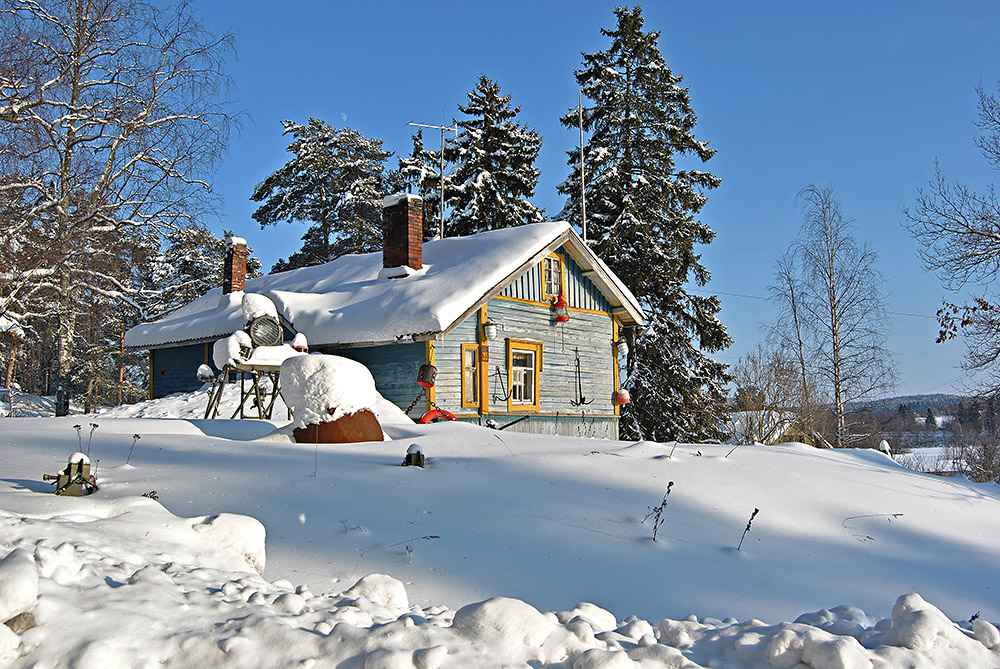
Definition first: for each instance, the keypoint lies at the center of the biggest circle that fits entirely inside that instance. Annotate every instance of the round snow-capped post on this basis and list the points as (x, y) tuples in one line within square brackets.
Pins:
[(300, 343), (205, 374), (414, 456), (622, 397), (332, 399)]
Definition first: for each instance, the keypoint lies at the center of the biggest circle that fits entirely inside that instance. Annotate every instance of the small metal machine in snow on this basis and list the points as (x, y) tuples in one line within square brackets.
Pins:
[(76, 480)]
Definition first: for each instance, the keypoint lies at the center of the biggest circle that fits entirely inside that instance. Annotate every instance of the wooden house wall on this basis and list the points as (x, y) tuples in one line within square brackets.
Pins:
[(581, 293), (586, 335), (522, 315), (394, 367), (175, 369), (448, 360)]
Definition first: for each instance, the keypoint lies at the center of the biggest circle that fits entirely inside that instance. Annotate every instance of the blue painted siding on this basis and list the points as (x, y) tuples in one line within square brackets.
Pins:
[(174, 369), (394, 368), (581, 293)]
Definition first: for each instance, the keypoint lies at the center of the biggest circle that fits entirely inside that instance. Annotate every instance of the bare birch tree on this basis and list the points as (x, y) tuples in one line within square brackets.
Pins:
[(829, 290), (768, 392), (112, 119)]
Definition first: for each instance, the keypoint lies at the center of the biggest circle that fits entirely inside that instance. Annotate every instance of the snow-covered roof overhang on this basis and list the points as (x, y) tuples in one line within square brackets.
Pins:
[(349, 301)]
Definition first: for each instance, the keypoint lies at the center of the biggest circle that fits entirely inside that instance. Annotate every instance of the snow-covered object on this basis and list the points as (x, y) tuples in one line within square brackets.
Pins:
[(300, 341), (413, 449), (884, 447), (322, 388), (227, 351), (79, 458), (271, 356), (255, 306), (205, 373), (344, 301), (236, 241), (18, 584)]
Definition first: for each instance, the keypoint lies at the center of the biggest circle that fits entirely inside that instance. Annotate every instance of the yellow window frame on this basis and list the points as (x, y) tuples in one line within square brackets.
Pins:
[(535, 348), (546, 295), (477, 386)]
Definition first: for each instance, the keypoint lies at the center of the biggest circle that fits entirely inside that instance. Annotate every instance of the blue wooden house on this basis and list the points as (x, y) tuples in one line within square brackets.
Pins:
[(519, 322)]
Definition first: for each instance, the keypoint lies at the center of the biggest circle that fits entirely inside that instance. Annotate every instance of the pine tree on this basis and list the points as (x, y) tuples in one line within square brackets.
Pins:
[(190, 265), (641, 212), (420, 172), (494, 171), (335, 181)]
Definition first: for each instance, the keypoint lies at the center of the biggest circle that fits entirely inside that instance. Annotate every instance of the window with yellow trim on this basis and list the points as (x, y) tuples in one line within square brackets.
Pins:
[(524, 365), (470, 375), (552, 277)]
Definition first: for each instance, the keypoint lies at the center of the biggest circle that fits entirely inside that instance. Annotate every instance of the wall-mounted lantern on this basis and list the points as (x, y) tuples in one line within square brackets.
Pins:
[(622, 347), (561, 309), (490, 328)]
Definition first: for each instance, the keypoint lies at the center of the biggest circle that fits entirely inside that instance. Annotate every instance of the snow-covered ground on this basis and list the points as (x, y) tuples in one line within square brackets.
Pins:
[(482, 558)]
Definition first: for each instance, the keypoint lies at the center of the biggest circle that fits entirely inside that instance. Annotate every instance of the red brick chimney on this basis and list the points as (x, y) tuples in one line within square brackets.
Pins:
[(402, 231), (234, 274)]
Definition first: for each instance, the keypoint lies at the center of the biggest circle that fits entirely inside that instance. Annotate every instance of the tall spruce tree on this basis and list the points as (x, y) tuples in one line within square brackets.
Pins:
[(494, 173), (335, 181), (420, 173), (641, 219)]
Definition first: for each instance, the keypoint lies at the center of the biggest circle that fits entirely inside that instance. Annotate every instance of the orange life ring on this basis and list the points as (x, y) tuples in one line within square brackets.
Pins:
[(436, 413)]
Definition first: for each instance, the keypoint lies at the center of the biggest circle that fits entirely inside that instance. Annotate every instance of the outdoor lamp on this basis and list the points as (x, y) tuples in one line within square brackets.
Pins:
[(490, 329)]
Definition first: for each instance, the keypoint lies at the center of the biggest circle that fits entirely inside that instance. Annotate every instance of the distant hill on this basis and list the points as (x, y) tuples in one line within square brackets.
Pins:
[(917, 403)]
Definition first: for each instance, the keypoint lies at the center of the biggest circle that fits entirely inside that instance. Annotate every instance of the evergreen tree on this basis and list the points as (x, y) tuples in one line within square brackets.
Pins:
[(494, 171), (930, 422), (191, 264), (335, 181), (641, 212), (420, 173)]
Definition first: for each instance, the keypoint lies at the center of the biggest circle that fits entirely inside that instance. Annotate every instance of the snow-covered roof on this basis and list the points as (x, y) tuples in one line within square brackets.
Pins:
[(347, 302)]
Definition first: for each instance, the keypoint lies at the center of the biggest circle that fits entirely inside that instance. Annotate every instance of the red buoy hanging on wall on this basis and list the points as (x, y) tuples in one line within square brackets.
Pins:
[(561, 309), (426, 375)]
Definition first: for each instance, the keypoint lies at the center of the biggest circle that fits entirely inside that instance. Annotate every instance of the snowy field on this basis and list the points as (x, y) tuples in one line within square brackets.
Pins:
[(481, 559)]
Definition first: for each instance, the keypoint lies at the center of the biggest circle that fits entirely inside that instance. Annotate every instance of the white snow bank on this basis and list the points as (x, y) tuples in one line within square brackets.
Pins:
[(323, 388)]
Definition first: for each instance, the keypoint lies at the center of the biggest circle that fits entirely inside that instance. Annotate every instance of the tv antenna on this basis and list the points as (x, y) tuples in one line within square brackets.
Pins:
[(442, 128)]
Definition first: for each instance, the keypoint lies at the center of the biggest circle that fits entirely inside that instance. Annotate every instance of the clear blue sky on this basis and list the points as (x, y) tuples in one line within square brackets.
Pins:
[(859, 96)]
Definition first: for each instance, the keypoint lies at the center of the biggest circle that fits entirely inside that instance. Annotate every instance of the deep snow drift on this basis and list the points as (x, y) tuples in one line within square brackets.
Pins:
[(398, 557)]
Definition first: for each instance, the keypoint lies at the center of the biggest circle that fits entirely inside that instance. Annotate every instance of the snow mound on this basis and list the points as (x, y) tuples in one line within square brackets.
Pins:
[(18, 585), (323, 388), (507, 626), (255, 306), (382, 590)]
